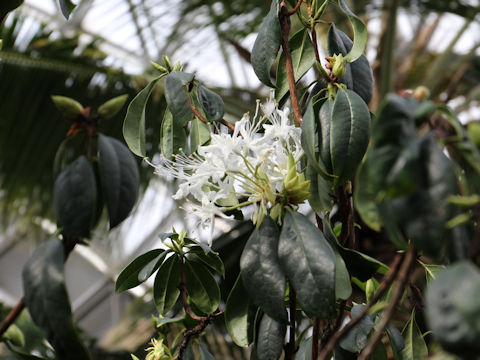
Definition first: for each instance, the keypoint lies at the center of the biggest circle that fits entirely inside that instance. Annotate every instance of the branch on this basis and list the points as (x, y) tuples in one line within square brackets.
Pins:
[(390, 311), (339, 335), (291, 347), (295, 9), (285, 26), (315, 336)]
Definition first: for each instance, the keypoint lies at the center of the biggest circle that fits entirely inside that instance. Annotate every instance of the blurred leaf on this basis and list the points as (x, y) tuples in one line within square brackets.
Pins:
[(14, 335), (75, 198), (267, 44), (357, 337), (112, 107), (305, 350), (47, 300), (120, 178), (261, 272), (67, 7), (397, 343)]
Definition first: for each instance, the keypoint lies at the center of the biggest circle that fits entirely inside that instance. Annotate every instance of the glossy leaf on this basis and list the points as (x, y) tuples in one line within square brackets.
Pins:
[(320, 189), (112, 107), (211, 103), (201, 286), (165, 287), (134, 123), (120, 178), (199, 134), (66, 6), (357, 337), (211, 259), (47, 300), (345, 131), (238, 318), (308, 261), (358, 76), (267, 44), (452, 308), (129, 277), (173, 136), (360, 33), (261, 272), (175, 94), (271, 336), (303, 58), (415, 347), (75, 198)]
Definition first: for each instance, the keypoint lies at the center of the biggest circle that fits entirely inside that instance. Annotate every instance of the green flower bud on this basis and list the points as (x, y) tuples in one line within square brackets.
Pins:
[(68, 107), (295, 185), (339, 66)]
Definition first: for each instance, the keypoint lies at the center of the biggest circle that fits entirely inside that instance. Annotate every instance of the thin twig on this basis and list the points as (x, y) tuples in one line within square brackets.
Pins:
[(285, 26), (231, 127), (390, 311), (295, 9), (315, 44), (384, 285), (315, 336), (291, 346)]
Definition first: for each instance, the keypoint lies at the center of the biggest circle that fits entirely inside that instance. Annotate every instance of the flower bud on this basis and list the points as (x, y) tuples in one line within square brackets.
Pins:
[(339, 66)]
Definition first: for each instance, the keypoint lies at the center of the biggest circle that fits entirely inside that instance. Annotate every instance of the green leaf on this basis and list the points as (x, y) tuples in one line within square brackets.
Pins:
[(345, 131), (211, 259), (14, 335), (47, 300), (66, 6), (134, 123), (206, 249), (165, 287), (267, 44), (360, 33), (415, 347), (6, 6), (397, 343), (69, 108), (303, 58), (199, 134), (75, 198), (358, 76), (432, 270), (238, 314), (271, 336), (309, 263), (112, 107), (173, 136), (175, 83), (305, 350), (261, 272), (357, 337), (453, 309), (211, 103), (201, 287), (161, 321), (129, 277), (21, 354), (119, 177), (204, 353), (320, 189)]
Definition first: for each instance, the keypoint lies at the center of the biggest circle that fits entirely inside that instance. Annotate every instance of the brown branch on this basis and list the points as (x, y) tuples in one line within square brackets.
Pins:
[(68, 245), (285, 26), (315, 45), (295, 9), (339, 335), (231, 127), (390, 311), (291, 347), (315, 336)]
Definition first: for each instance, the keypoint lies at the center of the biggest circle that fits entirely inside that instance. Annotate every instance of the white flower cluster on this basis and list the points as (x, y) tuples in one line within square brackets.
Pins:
[(250, 165)]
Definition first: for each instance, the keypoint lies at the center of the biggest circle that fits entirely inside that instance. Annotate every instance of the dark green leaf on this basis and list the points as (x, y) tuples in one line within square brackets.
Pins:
[(75, 198), (119, 176), (320, 189), (161, 321), (305, 350), (397, 343), (309, 263), (357, 337), (358, 76), (360, 33), (47, 300), (66, 6), (211, 259), (238, 319), (201, 286), (8, 5), (204, 353), (175, 94), (261, 272), (134, 123), (303, 58), (380, 352), (199, 134), (112, 107), (453, 309), (173, 136), (211, 103), (361, 265), (130, 276), (267, 44), (165, 287), (21, 354), (415, 347), (206, 249), (271, 336)]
